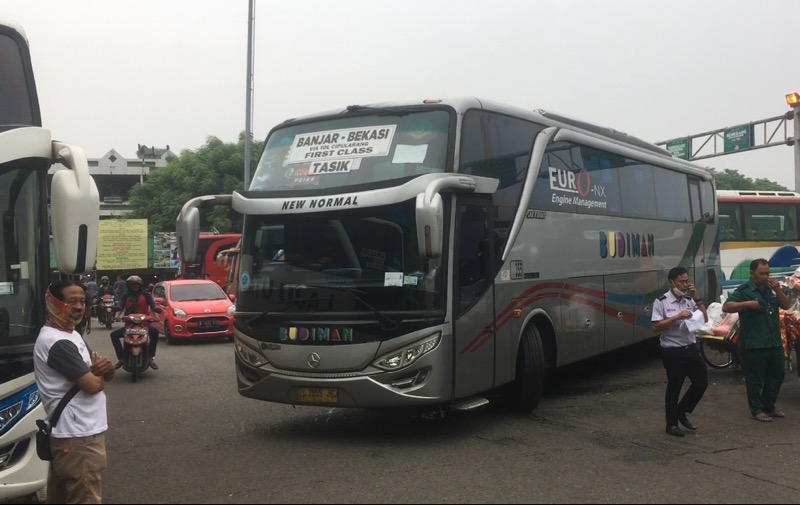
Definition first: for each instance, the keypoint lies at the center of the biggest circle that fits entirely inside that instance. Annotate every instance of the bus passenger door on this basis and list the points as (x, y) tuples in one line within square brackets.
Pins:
[(473, 291)]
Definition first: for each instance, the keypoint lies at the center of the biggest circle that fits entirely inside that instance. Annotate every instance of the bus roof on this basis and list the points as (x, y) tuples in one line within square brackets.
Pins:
[(548, 118), (750, 196), (7, 24)]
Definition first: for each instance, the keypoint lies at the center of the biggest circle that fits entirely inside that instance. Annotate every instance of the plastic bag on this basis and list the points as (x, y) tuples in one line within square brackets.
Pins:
[(715, 317), (725, 328)]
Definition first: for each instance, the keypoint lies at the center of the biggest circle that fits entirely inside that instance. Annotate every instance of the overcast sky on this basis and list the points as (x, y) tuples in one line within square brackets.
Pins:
[(117, 73)]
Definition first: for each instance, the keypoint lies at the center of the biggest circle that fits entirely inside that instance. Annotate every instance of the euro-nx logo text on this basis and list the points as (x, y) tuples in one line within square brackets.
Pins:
[(571, 182), (617, 244)]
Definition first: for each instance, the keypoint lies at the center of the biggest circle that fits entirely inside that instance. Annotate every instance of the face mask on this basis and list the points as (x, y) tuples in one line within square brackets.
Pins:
[(678, 293), (61, 315)]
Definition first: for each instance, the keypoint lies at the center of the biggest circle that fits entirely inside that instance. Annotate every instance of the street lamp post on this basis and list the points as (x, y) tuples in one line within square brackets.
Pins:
[(793, 99)]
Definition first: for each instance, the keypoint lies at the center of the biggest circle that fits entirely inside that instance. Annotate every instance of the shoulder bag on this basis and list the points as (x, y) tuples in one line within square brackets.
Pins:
[(46, 426)]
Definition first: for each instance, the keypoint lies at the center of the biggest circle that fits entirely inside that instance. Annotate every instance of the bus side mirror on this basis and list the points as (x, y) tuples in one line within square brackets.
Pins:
[(187, 225), (187, 233), (429, 217), (74, 211)]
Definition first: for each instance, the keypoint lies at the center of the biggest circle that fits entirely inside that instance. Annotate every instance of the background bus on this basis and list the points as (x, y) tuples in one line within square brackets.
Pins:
[(376, 271), (26, 153), (757, 224), (205, 265)]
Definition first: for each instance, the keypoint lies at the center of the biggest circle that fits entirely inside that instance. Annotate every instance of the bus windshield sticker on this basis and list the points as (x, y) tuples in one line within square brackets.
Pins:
[(334, 167), (404, 153), (410, 280), (300, 174), (342, 144), (393, 279)]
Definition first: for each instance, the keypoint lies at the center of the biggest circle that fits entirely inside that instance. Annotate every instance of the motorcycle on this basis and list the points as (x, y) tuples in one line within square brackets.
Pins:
[(136, 343), (105, 310)]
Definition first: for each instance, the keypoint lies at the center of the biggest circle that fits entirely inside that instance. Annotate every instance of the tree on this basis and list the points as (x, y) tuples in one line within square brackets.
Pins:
[(732, 179), (213, 169)]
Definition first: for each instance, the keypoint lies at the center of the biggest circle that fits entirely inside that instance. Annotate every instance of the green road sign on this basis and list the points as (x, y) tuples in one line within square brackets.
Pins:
[(737, 138), (679, 148)]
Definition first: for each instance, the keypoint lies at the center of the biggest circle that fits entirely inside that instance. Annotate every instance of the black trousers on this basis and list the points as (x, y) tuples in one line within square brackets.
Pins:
[(116, 341), (682, 363)]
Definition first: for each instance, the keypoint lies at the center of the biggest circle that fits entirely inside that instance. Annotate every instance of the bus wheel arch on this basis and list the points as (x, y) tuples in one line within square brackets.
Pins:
[(535, 356)]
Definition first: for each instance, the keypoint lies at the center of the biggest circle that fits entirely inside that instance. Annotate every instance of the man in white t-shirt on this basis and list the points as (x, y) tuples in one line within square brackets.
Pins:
[(62, 359)]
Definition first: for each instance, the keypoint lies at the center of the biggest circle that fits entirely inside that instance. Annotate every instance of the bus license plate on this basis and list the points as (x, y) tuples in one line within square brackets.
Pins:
[(317, 395)]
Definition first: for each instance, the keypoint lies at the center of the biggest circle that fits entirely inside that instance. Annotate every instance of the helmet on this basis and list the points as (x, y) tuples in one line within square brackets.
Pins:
[(134, 279), (104, 279)]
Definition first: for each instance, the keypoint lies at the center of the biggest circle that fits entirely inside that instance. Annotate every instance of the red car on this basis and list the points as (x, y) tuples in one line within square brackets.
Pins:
[(193, 309)]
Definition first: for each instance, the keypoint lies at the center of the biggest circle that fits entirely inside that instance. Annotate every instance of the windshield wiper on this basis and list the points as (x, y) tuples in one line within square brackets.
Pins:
[(284, 305), (382, 318), (386, 322)]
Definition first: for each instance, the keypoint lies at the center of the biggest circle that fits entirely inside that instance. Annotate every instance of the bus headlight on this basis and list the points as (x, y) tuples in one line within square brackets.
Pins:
[(249, 356), (398, 360), (16, 406)]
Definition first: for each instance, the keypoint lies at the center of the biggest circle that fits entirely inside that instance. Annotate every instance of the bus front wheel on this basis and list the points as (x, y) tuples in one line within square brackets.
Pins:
[(524, 393)]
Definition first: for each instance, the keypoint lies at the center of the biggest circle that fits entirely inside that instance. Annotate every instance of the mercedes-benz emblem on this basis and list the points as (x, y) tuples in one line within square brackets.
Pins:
[(313, 360)]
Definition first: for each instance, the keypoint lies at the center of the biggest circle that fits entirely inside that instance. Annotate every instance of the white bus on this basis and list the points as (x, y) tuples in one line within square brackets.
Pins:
[(757, 224), (436, 252), (26, 153)]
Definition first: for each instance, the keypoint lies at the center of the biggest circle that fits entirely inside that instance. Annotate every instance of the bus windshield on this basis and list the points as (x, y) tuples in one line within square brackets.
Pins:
[(20, 245), (18, 104), (302, 262), (354, 150)]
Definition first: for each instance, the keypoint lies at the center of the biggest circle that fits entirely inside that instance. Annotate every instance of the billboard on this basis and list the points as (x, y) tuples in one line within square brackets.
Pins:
[(122, 244)]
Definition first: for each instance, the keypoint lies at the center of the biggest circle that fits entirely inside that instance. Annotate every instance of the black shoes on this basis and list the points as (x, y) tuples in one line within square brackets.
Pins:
[(674, 431), (686, 423)]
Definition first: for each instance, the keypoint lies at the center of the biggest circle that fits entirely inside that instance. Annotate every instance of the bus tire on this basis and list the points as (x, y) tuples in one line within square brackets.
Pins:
[(524, 393)]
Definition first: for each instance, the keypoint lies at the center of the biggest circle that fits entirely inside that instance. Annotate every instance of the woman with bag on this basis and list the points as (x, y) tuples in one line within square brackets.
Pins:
[(63, 360)]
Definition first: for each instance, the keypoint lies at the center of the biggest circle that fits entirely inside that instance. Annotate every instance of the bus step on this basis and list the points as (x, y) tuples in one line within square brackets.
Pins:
[(470, 403)]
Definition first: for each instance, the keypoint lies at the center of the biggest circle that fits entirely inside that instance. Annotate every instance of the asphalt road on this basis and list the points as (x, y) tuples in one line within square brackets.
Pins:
[(183, 434)]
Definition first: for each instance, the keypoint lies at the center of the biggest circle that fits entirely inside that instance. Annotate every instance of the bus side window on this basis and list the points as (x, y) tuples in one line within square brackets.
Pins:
[(473, 255)]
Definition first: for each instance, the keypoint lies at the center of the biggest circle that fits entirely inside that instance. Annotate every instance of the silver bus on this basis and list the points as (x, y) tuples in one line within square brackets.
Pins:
[(439, 251)]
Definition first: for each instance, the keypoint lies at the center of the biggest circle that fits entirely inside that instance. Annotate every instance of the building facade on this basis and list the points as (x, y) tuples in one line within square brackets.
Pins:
[(116, 175)]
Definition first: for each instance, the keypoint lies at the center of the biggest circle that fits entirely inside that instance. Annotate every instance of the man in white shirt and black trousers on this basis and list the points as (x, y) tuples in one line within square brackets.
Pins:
[(679, 351)]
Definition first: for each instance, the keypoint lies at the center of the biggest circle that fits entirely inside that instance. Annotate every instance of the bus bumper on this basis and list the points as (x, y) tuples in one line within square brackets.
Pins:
[(418, 385), (22, 472)]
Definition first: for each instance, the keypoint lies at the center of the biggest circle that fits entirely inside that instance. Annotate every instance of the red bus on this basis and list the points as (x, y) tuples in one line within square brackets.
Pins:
[(205, 266)]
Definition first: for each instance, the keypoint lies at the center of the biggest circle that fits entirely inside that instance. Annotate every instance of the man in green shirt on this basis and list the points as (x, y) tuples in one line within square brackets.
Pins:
[(759, 347)]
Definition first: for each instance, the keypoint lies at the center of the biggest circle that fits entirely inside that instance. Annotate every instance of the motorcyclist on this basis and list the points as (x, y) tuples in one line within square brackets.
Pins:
[(136, 301), (105, 288)]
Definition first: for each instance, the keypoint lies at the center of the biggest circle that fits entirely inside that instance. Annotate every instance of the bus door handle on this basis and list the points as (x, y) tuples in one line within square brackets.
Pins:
[(588, 322), (619, 316), (646, 309)]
